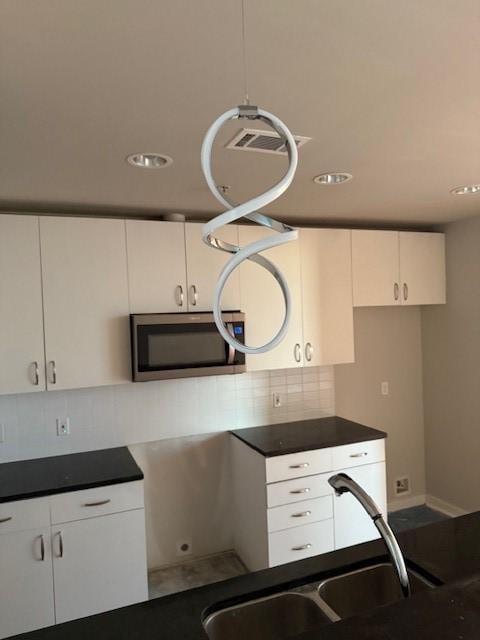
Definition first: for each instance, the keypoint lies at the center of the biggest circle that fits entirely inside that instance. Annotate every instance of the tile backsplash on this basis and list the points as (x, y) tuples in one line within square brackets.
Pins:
[(105, 417)]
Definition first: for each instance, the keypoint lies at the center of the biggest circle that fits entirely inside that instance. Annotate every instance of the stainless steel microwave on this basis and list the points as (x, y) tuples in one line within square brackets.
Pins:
[(183, 345)]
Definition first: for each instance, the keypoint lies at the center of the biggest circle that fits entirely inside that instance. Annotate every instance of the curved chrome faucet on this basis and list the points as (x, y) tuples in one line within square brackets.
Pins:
[(342, 483)]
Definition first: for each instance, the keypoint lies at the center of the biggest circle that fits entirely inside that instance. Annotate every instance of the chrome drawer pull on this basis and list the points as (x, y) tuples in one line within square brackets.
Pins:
[(2, 520), (97, 504), (60, 544), (303, 514), (362, 454), (302, 547), (42, 548), (179, 295), (306, 490), (302, 465), (36, 373)]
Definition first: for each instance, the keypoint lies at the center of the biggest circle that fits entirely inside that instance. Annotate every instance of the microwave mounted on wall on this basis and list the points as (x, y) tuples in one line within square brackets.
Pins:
[(184, 345)]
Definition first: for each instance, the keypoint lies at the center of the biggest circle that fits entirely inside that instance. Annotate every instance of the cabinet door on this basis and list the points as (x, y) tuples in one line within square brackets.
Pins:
[(352, 523), (203, 268), (422, 268), (26, 582), (327, 296), (263, 304), (156, 266), (22, 364), (99, 564), (375, 268), (84, 266)]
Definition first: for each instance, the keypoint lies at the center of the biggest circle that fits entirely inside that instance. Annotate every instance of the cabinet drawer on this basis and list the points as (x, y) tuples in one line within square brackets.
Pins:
[(298, 489), (300, 542), (354, 455), (24, 514), (89, 503), (296, 465), (300, 513)]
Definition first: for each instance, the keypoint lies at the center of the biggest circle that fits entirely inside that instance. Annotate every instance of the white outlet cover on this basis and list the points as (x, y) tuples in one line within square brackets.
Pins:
[(63, 426), (384, 388), (276, 400)]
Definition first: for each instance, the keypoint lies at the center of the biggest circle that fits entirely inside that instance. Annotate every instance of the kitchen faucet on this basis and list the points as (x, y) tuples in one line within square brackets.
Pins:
[(342, 483)]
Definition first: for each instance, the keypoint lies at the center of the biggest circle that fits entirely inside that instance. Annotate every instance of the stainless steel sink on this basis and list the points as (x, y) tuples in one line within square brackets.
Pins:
[(358, 591), (274, 618)]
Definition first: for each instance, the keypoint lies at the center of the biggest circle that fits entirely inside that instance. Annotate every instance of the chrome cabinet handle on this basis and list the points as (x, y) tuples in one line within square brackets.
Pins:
[(303, 514), (301, 465), (7, 519), (362, 454), (308, 352), (302, 547), (194, 296), (405, 291), (53, 372), (36, 373), (60, 544), (396, 291), (296, 491), (297, 352), (99, 503), (179, 295), (42, 548)]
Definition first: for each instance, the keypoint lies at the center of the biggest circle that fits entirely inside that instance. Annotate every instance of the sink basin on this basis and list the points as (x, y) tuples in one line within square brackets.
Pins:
[(358, 591), (274, 618)]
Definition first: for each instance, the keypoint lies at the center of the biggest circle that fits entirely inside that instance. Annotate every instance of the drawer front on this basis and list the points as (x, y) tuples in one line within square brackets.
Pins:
[(298, 489), (77, 505), (355, 455), (300, 513), (300, 542), (24, 515), (296, 465)]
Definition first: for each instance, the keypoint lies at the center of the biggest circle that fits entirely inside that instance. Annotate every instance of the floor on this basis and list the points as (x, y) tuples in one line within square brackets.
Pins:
[(199, 572)]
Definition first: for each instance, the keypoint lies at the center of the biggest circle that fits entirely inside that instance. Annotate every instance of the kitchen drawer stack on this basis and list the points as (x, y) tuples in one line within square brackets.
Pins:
[(286, 510)]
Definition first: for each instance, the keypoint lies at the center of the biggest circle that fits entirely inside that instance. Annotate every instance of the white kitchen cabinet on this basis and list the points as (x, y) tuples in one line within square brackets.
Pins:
[(263, 304), (156, 266), (22, 363), (326, 296), (86, 308), (203, 268), (393, 268), (422, 268), (99, 564), (353, 525)]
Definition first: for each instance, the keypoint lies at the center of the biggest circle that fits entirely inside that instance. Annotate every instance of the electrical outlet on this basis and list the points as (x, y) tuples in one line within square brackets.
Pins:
[(384, 388), (402, 486), (63, 426), (184, 547), (277, 400), (3, 433)]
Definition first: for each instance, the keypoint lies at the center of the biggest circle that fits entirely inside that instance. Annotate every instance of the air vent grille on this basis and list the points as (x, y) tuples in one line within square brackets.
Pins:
[(262, 141)]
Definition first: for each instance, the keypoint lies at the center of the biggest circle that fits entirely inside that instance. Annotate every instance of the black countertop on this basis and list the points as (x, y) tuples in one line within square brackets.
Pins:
[(71, 472), (292, 437), (445, 551)]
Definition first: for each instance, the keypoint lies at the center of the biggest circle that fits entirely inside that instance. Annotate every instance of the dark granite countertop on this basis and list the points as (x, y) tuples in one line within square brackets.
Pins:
[(71, 472), (291, 437), (447, 550)]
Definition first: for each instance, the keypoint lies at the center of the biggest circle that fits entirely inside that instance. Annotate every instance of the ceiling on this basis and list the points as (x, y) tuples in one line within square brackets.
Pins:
[(388, 91)]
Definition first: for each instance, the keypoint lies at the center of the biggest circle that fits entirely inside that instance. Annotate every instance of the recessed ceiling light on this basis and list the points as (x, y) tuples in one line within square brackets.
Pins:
[(329, 179), (468, 188), (149, 160)]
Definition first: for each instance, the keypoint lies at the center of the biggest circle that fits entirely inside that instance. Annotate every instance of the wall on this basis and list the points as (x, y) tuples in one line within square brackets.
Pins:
[(176, 432), (451, 351), (388, 348)]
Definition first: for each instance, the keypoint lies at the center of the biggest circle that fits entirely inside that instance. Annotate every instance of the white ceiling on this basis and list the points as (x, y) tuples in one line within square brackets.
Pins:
[(388, 90)]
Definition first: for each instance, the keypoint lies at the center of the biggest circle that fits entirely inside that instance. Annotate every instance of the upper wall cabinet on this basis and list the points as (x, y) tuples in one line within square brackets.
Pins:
[(392, 268), (326, 296), (263, 304), (85, 301), (203, 268), (156, 266), (21, 324)]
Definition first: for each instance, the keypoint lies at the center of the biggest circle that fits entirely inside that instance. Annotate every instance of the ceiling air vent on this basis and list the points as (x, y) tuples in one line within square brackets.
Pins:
[(263, 141)]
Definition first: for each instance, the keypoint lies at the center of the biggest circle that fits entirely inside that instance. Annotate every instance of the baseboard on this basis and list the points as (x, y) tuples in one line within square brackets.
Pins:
[(405, 503), (444, 507)]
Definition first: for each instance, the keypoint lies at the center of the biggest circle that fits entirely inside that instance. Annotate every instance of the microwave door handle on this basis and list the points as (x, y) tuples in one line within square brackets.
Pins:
[(231, 350)]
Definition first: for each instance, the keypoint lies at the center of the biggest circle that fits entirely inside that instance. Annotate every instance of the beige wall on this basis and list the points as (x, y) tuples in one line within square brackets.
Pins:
[(451, 348), (388, 348)]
